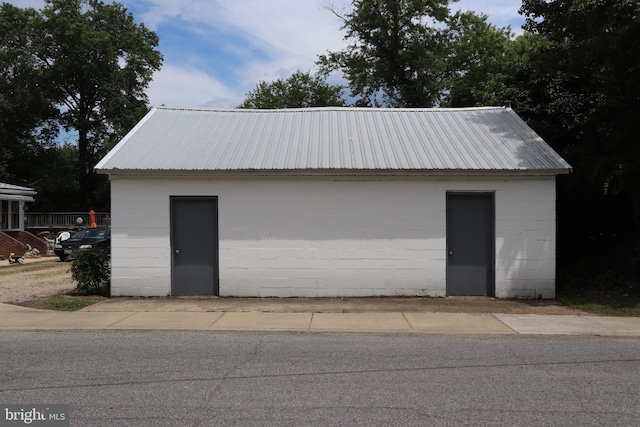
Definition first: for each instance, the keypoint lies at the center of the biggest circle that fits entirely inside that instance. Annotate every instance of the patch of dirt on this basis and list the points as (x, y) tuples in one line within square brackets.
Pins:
[(335, 305), (27, 283), (21, 284)]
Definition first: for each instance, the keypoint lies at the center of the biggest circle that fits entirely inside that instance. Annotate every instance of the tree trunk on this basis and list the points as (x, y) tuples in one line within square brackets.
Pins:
[(82, 162)]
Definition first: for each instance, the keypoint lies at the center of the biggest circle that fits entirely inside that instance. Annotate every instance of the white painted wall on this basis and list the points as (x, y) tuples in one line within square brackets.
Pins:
[(323, 237)]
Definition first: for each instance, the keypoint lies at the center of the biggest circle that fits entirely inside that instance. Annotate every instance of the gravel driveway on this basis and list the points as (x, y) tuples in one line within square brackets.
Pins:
[(22, 283)]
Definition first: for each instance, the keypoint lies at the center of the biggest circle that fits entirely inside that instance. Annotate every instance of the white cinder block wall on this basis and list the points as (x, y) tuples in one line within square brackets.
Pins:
[(325, 237)]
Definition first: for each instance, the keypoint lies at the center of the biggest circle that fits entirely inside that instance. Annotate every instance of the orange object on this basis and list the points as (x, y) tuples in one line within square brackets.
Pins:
[(92, 214)]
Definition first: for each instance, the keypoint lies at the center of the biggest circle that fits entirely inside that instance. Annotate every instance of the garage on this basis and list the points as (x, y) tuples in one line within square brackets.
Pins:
[(328, 202)]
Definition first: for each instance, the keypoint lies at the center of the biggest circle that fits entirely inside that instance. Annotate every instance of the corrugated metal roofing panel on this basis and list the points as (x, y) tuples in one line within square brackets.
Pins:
[(333, 139), (15, 189)]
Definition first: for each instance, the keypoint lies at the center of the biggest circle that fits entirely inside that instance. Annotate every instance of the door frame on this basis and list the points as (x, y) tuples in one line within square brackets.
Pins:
[(491, 280), (172, 230)]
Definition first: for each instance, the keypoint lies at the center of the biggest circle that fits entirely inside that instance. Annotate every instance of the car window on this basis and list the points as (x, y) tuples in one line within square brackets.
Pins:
[(80, 234), (91, 233)]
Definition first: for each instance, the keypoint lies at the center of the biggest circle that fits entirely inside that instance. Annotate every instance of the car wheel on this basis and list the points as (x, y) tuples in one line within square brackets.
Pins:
[(62, 257)]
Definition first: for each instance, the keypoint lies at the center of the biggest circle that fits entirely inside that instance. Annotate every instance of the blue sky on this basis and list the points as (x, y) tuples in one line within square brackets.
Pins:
[(215, 51)]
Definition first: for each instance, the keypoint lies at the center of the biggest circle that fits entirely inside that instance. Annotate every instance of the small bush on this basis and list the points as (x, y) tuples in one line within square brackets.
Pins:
[(91, 270)]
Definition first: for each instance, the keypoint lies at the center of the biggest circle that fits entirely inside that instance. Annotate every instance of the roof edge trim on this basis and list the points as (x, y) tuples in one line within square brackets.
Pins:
[(119, 145), (331, 172)]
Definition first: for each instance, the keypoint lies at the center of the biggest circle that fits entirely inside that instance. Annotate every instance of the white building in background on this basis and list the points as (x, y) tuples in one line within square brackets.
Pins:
[(12, 208)]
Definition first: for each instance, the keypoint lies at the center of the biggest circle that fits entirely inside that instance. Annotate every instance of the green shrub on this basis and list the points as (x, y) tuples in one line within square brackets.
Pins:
[(91, 269)]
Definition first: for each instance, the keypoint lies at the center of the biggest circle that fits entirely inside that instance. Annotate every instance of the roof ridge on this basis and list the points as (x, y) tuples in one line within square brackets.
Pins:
[(315, 109)]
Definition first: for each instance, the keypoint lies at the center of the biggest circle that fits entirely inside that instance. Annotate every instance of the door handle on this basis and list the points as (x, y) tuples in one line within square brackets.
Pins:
[(177, 251), (450, 252)]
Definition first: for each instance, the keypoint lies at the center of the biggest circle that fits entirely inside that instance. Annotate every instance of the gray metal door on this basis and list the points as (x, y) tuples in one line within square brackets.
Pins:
[(194, 245), (470, 244)]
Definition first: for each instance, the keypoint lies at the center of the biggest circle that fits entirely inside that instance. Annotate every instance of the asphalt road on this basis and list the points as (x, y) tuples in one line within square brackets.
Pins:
[(204, 379)]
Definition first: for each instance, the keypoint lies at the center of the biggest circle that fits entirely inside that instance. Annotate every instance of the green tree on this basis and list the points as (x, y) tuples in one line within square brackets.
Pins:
[(393, 58), (97, 63), (585, 100), (77, 65), (480, 58), (25, 110), (414, 53), (301, 90)]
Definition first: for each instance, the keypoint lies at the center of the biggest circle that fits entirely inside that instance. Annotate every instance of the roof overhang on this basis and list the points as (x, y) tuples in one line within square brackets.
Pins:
[(16, 192), (16, 197), (328, 173)]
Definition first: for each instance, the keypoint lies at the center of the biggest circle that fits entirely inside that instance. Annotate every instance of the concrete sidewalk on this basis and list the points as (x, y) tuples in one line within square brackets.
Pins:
[(17, 318)]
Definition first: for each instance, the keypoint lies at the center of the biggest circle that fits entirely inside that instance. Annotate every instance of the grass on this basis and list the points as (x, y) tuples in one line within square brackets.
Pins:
[(71, 301), (601, 280), (63, 302), (607, 294), (610, 304)]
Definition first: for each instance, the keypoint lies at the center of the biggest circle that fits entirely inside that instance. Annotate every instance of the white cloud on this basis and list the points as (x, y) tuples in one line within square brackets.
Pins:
[(297, 27), (289, 33), (287, 25), (501, 12), (159, 11), (183, 87)]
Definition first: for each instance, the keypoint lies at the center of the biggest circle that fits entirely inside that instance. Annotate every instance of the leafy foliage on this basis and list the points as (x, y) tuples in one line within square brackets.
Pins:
[(25, 111), (480, 56), (583, 97), (91, 269), (104, 97), (77, 65), (413, 53), (394, 57), (301, 90)]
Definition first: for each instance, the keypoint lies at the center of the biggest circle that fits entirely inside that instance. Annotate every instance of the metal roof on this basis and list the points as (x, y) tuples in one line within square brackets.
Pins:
[(16, 192), (15, 189), (333, 141)]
